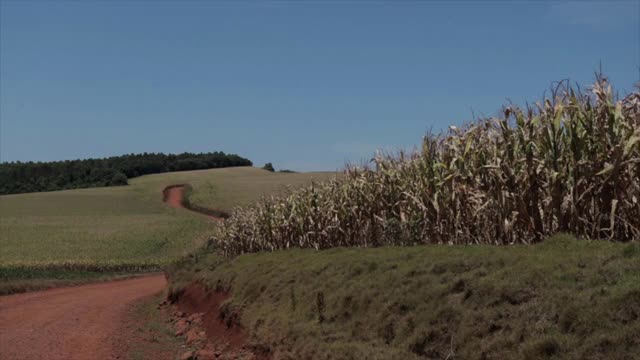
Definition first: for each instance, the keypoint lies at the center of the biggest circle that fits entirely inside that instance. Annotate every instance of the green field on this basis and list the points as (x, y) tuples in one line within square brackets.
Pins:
[(123, 228)]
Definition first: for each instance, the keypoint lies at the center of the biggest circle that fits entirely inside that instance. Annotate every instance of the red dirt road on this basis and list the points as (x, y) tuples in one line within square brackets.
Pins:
[(81, 322), (174, 199)]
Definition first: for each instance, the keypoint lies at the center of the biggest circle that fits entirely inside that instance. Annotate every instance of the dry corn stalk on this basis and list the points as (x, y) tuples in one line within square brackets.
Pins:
[(571, 163)]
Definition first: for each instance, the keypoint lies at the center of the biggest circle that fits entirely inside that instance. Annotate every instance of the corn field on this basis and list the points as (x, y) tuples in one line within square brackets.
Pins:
[(570, 163)]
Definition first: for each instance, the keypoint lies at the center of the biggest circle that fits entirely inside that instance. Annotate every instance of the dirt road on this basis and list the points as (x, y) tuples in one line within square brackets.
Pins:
[(174, 196), (174, 199), (81, 322)]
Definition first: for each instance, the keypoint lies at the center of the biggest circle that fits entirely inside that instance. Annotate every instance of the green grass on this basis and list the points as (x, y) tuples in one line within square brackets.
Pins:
[(124, 228), (100, 225), (562, 299)]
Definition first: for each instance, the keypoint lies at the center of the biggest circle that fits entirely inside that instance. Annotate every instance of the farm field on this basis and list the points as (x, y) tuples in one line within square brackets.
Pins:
[(120, 229), (464, 200)]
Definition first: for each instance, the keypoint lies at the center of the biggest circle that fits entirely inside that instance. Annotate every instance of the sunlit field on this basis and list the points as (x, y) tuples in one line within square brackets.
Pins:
[(125, 228)]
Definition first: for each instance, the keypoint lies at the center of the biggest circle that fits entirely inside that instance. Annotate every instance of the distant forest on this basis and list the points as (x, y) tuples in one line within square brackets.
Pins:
[(23, 177)]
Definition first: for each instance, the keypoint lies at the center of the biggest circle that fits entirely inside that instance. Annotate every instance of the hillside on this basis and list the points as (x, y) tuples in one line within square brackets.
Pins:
[(228, 188), (124, 228)]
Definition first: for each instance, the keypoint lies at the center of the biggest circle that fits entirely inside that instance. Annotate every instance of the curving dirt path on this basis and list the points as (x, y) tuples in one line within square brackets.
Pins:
[(174, 199), (82, 322)]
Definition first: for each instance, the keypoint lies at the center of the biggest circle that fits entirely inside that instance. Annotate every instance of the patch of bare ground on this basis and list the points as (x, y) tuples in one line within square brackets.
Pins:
[(208, 326)]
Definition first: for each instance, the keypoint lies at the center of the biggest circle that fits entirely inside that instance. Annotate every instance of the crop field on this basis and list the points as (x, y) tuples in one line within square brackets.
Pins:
[(121, 229), (569, 163), (512, 237), (93, 225)]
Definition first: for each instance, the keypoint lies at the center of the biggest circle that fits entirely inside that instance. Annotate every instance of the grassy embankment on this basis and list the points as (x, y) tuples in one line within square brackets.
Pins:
[(563, 299), (72, 236)]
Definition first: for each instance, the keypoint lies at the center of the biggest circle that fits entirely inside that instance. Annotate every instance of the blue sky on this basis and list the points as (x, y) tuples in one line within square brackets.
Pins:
[(306, 86)]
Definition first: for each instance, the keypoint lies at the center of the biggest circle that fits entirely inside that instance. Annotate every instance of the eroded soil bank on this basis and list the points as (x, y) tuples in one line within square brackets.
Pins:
[(199, 311)]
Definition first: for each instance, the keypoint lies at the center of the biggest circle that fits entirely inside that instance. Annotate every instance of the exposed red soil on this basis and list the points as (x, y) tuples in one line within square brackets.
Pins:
[(218, 325), (174, 195), (81, 322)]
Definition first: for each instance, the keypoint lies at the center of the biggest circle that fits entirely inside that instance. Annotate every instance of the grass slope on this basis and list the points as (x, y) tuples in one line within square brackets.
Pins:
[(119, 229), (227, 188), (563, 299)]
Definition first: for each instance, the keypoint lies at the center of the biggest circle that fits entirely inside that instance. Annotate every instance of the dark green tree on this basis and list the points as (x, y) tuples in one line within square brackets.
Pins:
[(269, 167), (21, 177), (119, 179)]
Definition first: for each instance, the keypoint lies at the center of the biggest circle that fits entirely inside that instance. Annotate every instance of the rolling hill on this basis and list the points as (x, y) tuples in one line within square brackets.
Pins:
[(121, 229)]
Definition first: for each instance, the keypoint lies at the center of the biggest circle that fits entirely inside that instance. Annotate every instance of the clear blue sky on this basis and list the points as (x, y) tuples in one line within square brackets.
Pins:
[(303, 85)]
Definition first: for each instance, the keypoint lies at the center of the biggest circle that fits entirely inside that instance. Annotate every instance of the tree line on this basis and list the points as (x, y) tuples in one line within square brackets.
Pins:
[(22, 177)]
